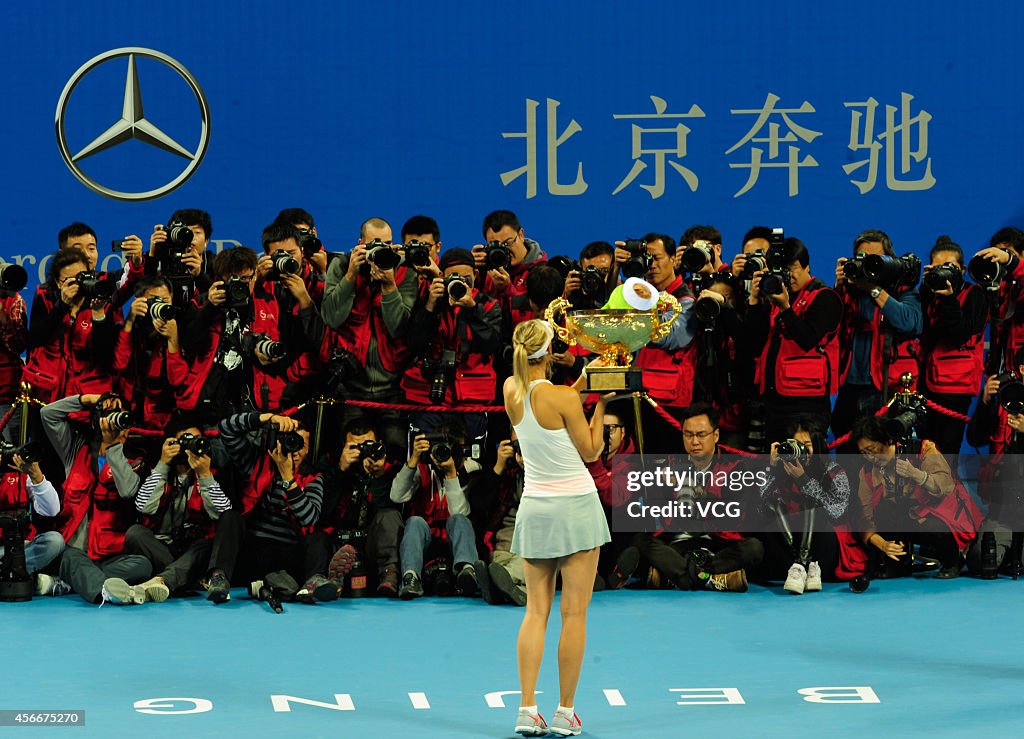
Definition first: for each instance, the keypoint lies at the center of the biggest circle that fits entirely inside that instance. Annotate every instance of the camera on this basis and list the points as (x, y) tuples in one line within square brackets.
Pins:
[(697, 257), (118, 420), (29, 452), (382, 256), (92, 286), (706, 310), (499, 256), (639, 264), (342, 367), (457, 287), (372, 449), (443, 449), (284, 264), (777, 262), (440, 372), (1011, 393), (13, 277), (756, 261), (417, 253), (179, 238), (853, 269), (891, 272), (160, 310), (239, 295), (252, 343), (985, 272), (16, 584), (516, 449), (309, 242), (592, 281), (905, 415), (198, 445), (290, 441), (793, 451), (937, 277)]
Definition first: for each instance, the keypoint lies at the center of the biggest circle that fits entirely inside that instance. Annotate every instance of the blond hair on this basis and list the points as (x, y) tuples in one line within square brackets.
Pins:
[(528, 337)]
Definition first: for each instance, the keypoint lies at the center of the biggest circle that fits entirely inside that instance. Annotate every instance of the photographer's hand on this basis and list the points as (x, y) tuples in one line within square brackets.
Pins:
[(193, 262), (716, 296), (420, 446), (1016, 421), (906, 469), (572, 283), (773, 457), (111, 435), (29, 468), (374, 467), (755, 288), (199, 464), (284, 423), (158, 237), (480, 255), (994, 254), (131, 248), (349, 456), (840, 274), (466, 301), (356, 260), (169, 450), (991, 388), (738, 263), (448, 468), (622, 255), (169, 330), (217, 294), (435, 293), (319, 262), (891, 549), (140, 307), (264, 267), (69, 292), (500, 279), (781, 300), (505, 452), (283, 460), (793, 469), (297, 287)]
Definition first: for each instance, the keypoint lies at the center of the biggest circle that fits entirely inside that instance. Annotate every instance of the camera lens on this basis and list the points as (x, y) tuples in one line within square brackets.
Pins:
[(457, 289), (160, 310), (285, 264), (383, 257), (119, 420), (13, 277), (441, 451)]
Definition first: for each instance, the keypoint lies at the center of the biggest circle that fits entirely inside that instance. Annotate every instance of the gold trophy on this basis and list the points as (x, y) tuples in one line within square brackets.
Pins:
[(613, 334)]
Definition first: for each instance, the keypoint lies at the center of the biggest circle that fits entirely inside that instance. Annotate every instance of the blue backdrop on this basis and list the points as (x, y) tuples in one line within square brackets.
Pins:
[(592, 120)]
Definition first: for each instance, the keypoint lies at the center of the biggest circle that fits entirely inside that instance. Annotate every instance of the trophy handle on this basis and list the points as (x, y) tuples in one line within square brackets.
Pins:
[(559, 307), (666, 302)]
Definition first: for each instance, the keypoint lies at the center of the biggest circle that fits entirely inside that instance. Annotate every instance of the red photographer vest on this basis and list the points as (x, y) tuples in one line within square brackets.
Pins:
[(367, 318), (800, 373), (150, 390), (268, 387), (904, 353), (475, 380), (261, 478), (195, 511), (428, 503), (92, 493), (953, 369), (14, 496), (668, 376), (14, 335)]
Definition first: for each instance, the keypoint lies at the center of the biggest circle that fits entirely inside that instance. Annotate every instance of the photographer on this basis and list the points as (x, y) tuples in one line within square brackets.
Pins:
[(121, 282), (280, 498), (456, 331), (668, 365), (808, 493), (13, 340), (71, 331), (285, 320), (421, 239), (97, 502), (1000, 476), (756, 243), (178, 253), (508, 257), (24, 491), (220, 377), (915, 500), (501, 581), (953, 345), (314, 253), (544, 284), (434, 482), (369, 305), (879, 335), (724, 375), (1003, 292), (589, 284), (147, 355), (357, 514), (793, 326), (188, 529), (699, 253), (696, 560)]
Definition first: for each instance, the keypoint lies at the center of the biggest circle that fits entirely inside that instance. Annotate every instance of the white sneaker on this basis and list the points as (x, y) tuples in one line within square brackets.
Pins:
[(49, 585), (796, 580), (813, 583), (120, 593)]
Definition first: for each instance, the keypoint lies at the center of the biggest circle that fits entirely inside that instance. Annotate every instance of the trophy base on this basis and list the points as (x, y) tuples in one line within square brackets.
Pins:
[(614, 379)]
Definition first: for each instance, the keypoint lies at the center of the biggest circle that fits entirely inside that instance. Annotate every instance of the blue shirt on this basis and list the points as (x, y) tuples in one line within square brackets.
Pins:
[(903, 314)]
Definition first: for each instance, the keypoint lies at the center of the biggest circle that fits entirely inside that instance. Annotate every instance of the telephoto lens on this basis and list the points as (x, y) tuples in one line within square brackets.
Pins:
[(161, 310), (285, 263), (382, 256), (417, 253), (985, 272), (860, 583), (198, 445), (13, 277), (179, 236), (456, 286), (119, 420), (696, 258)]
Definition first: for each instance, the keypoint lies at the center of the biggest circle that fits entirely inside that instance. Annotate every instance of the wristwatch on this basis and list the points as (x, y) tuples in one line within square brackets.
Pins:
[(875, 293)]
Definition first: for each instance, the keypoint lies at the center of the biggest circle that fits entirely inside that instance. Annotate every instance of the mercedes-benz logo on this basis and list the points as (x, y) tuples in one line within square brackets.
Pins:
[(133, 123)]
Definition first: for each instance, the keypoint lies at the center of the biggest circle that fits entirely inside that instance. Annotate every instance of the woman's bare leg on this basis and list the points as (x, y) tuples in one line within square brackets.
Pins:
[(540, 592), (578, 571)]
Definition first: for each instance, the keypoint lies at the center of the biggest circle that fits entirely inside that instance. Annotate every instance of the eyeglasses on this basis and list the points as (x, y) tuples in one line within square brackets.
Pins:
[(507, 243), (615, 427), (871, 451), (697, 434)]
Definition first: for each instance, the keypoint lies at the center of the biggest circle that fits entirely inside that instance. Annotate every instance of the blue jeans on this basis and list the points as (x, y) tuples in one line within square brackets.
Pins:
[(417, 538), (42, 550)]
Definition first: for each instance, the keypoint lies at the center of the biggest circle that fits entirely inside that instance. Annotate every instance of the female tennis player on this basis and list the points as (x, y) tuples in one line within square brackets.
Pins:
[(560, 524)]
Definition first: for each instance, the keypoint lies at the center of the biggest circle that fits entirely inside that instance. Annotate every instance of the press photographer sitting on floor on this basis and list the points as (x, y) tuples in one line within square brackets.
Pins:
[(280, 497), (908, 496), (808, 492), (189, 530), (434, 482), (24, 492), (97, 507), (357, 517)]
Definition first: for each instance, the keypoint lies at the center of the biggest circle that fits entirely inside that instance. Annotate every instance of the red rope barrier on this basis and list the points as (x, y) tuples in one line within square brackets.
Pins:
[(932, 405), (7, 417), (427, 408)]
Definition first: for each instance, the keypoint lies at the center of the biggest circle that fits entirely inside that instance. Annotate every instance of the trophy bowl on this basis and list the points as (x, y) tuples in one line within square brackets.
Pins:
[(612, 334)]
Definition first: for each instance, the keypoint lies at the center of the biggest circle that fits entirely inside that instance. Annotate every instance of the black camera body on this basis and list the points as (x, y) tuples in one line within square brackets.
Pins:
[(284, 264), (756, 261), (1011, 392), (853, 269), (92, 286), (457, 287), (290, 441), (382, 256), (986, 273), (777, 261), (275, 350), (905, 415), (499, 256), (309, 242), (239, 296), (440, 372), (443, 448), (697, 257), (29, 452), (372, 449), (592, 281), (937, 277), (793, 451), (417, 253), (198, 445), (640, 261), (892, 272), (179, 238), (16, 584), (342, 367), (13, 277)]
